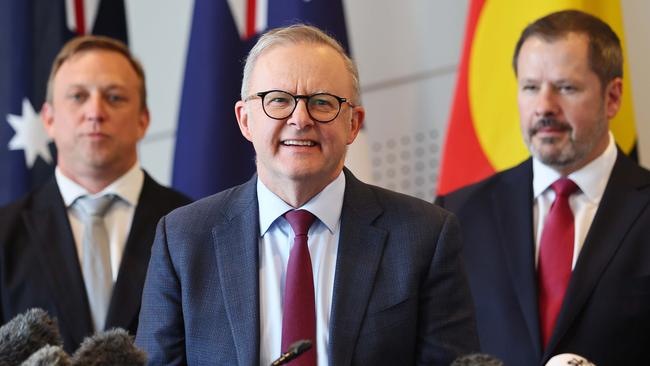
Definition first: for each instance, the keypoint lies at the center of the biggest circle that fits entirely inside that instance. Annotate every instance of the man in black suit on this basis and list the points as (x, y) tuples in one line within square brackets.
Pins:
[(535, 297), (96, 112)]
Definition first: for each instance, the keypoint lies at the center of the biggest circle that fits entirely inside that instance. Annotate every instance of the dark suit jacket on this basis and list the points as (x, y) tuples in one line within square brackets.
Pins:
[(606, 312), (40, 266), (400, 292)]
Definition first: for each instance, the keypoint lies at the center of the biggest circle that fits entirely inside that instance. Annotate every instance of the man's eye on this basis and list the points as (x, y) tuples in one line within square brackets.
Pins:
[(529, 87), (279, 100), (323, 102), (567, 88), (77, 97), (114, 98)]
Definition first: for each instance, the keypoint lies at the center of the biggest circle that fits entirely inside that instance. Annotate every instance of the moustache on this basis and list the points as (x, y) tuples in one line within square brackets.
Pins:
[(548, 123)]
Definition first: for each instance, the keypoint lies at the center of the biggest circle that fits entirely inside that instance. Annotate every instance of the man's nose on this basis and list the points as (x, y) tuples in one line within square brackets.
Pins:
[(546, 103), (300, 116), (95, 108)]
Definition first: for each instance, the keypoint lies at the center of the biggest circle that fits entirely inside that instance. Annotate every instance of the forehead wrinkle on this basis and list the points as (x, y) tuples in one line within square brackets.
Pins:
[(313, 73)]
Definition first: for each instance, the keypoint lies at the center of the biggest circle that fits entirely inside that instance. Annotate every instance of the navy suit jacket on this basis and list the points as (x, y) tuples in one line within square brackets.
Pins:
[(39, 265), (400, 291), (605, 316)]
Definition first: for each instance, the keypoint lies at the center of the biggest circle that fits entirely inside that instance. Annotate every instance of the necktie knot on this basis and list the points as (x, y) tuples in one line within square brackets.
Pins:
[(564, 187), (300, 221), (97, 206)]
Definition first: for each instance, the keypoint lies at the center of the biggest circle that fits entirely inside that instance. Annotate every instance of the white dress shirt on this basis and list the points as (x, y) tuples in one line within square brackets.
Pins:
[(276, 240), (119, 217), (591, 180)]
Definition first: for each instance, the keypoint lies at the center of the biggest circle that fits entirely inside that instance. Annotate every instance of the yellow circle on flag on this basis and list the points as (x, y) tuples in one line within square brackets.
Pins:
[(493, 86)]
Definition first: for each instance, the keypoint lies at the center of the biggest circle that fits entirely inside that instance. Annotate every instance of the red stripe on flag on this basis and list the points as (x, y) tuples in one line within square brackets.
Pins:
[(250, 18), (79, 16), (463, 161)]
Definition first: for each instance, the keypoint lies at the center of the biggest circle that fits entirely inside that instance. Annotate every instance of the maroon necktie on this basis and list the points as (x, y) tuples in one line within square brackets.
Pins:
[(555, 256), (299, 310)]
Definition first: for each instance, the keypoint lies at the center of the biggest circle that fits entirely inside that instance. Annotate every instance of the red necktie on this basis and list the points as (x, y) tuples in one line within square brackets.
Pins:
[(555, 256), (299, 310)]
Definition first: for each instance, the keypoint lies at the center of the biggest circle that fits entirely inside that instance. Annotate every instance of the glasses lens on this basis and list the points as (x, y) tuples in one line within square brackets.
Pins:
[(278, 104), (323, 107)]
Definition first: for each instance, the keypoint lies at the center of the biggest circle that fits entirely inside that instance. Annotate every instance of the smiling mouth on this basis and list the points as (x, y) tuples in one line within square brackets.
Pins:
[(298, 143)]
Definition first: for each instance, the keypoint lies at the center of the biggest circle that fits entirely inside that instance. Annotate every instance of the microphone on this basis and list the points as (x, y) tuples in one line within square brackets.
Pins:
[(113, 347), (295, 349), (25, 334), (477, 359), (570, 359), (48, 356)]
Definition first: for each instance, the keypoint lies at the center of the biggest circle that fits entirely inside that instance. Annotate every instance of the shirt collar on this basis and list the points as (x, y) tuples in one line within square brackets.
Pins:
[(326, 205), (127, 187), (591, 179)]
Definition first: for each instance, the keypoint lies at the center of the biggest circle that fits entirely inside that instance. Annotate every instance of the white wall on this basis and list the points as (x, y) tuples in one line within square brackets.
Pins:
[(407, 53)]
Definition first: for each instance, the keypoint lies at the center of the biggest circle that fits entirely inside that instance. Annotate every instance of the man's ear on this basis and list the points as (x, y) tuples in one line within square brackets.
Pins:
[(241, 112), (143, 122), (47, 117), (613, 97), (356, 122)]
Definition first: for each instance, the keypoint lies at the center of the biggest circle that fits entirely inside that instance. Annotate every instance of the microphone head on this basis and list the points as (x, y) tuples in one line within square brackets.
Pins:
[(25, 334), (48, 356), (299, 347), (113, 347), (568, 359), (477, 359)]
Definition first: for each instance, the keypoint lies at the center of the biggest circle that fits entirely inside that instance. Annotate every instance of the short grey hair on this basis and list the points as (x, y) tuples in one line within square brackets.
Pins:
[(295, 34)]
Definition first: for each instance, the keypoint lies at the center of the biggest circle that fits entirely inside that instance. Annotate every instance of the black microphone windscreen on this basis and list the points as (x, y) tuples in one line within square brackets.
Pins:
[(113, 347), (25, 334), (477, 359), (48, 356)]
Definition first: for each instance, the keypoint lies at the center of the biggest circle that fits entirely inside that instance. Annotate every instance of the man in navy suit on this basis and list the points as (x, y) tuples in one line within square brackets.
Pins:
[(96, 112), (569, 69), (388, 281)]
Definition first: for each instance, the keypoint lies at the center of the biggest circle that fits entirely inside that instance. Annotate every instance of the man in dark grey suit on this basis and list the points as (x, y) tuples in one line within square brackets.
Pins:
[(96, 112), (387, 285), (590, 295)]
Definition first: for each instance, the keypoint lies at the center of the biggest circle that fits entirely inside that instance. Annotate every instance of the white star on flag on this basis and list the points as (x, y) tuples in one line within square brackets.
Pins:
[(30, 135)]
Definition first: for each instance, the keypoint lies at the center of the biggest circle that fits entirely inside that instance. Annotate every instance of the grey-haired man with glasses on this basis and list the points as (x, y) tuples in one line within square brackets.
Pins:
[(304, 250)]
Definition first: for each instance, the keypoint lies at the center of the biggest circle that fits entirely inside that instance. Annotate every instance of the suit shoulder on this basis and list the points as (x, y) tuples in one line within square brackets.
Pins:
[(166, 196), (473, 194), (28, 201), (217, 205), (401, 206), (13, 209)]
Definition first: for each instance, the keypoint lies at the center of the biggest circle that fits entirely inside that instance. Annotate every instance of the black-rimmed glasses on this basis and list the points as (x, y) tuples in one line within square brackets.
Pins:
[(279, 104)]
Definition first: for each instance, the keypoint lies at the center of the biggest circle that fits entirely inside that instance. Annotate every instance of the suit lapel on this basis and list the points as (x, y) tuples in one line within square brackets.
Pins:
[(127, 291), (624, 198), (48, 221), (360, 249), (236, 238), (514, 207)]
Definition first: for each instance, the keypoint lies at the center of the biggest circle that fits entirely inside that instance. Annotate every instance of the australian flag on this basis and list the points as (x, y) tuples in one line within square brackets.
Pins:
[(31, 34), (211, 154)]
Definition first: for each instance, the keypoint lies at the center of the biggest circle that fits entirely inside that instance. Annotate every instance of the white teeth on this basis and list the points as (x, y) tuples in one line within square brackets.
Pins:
[(298, 143)]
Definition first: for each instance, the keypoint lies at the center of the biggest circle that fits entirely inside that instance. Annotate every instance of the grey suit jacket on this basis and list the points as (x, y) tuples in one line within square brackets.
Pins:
[(400, 291), (39, 266)]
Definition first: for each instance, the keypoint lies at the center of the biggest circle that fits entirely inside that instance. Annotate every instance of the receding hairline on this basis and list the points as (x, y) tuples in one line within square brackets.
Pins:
[(294, 35), (83, 45), (313, 45)]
